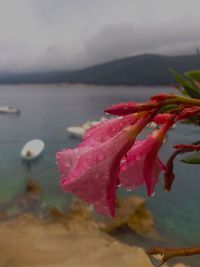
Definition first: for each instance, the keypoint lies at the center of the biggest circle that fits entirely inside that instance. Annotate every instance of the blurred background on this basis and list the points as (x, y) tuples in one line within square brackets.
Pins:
[(62, 63)]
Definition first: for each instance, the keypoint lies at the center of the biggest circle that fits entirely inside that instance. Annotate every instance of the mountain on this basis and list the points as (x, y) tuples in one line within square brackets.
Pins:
[(144, 69)]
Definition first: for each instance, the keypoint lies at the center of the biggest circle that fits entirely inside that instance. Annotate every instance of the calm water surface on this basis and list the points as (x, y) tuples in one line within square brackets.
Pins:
[(47, 110)]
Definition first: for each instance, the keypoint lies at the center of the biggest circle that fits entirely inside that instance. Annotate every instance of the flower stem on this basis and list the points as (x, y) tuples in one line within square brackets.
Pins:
[(182, 100)]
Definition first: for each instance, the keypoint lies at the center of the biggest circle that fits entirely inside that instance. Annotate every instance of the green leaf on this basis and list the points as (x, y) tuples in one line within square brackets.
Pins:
[(195, 75), (190, 88), (167, 108), (192, 159), (180, 79), (196, 142)]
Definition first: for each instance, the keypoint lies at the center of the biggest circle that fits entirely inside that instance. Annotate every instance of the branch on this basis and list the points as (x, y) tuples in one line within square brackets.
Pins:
[(159, 256)]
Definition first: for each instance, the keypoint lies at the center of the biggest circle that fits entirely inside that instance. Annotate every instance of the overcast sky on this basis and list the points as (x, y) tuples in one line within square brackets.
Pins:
[(71, 34)]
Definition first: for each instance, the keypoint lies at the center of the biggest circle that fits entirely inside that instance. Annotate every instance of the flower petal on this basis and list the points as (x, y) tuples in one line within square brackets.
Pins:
[(131, 168), (103, 131), (141, 166), (94, 173)]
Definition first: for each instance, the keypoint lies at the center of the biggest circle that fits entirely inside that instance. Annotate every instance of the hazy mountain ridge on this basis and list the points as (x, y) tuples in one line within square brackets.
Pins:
[(144, 69)]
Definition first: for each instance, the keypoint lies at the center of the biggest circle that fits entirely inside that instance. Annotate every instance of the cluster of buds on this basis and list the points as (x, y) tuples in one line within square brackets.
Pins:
[(110, 154)]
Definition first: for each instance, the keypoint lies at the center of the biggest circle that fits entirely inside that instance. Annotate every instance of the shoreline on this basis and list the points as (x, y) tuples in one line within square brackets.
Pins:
[(60, 84)]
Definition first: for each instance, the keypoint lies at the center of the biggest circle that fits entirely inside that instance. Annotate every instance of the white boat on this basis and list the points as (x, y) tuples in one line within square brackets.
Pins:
[(8, 109), (79, 131), (32, 149), (76, 131)]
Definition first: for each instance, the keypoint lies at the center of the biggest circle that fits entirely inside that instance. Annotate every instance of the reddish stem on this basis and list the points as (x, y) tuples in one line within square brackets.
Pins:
[(168, 253)]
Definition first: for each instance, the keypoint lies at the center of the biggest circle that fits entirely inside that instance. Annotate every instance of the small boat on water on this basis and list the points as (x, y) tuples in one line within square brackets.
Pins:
[(9, 110), (32, 149), (79, 131)]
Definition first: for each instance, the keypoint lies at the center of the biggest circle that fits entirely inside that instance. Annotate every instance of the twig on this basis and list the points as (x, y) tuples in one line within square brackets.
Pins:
[(164, 254)]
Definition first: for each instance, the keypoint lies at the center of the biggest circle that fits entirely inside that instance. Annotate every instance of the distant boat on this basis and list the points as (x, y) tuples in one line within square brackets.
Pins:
[(76, 131), (9, 110), (32, 149), (79, 131)]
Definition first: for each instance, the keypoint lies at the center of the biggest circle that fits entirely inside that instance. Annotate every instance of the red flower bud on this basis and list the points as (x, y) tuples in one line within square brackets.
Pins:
[(162, 118), (161, 97), (188, 112), (122, 109)]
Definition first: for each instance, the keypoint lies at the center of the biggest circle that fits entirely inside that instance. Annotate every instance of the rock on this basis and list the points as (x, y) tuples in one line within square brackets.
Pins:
[(180, 265), (33, 187), (57, 214), (80, 210), (30, 242), (30, 198), (132, 213), (3, 215)]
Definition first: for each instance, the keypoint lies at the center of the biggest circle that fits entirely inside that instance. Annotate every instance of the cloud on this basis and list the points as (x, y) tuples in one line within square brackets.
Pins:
[(71, 34), (121, 40)]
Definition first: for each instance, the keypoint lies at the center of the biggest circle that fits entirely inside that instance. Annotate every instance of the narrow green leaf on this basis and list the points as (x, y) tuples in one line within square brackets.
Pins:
[(164, 109), (195, 75), (192, 159), (196, 142), (190, 88), (180, 79)]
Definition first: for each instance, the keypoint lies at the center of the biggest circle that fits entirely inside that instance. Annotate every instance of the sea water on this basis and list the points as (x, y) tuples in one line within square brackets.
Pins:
[(46, 112)]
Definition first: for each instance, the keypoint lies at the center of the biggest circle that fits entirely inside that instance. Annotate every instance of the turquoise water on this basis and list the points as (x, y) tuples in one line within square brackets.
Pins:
[(47, 110)]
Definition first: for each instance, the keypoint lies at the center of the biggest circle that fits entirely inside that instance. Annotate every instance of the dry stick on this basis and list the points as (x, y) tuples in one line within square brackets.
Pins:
[(168, 253)]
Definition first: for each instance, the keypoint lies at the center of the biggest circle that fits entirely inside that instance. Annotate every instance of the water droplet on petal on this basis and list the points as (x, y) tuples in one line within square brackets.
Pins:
[(67, 165), (101, 157), (124, 167), (138, 157)]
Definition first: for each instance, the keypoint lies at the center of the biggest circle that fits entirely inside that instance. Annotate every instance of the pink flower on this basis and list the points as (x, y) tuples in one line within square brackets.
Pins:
[(163, 97), (91, 173), (121, 109), (162, 118), (142, 166)]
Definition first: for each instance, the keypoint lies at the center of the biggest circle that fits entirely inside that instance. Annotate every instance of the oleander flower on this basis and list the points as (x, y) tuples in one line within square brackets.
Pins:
[(91, 171), (122, 109), (142, 165)]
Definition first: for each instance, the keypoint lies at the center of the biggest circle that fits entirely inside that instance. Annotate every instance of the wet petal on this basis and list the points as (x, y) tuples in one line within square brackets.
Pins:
[(141, 166), (103, 131), (94, 173)]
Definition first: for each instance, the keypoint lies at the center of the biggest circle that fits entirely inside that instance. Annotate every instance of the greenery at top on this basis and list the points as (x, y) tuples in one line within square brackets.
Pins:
[(189, 85)]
